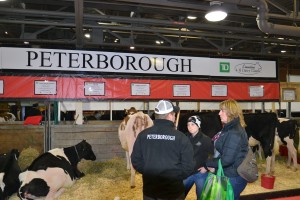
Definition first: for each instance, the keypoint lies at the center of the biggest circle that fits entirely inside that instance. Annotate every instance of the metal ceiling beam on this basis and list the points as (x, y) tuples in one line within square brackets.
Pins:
[(157, 30), (78, 4)]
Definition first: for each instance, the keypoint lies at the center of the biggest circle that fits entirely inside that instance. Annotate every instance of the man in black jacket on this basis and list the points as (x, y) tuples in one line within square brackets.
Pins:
[(163, 155)]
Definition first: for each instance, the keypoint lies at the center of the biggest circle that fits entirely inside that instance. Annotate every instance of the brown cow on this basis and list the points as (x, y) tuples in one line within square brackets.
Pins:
[(7, 117), (128, 131)]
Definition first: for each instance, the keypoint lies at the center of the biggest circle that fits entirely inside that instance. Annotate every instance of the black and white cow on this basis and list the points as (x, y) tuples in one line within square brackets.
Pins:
[(9, 172), (261, 129), (287, 130), (53, 171)]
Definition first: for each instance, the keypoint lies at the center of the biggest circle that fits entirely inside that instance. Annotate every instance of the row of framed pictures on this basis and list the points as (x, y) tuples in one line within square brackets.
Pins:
[(143, 89)]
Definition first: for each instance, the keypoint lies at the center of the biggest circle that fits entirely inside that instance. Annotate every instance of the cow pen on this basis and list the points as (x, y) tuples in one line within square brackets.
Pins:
[(67, 94), (103, 136), (110, 179)]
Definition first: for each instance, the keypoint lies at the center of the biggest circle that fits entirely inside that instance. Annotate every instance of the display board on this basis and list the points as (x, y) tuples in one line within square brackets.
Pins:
[(25, 87)]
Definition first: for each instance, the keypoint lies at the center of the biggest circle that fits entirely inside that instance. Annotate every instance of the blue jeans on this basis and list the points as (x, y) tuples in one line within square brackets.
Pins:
[(199, 179), (238, 185)]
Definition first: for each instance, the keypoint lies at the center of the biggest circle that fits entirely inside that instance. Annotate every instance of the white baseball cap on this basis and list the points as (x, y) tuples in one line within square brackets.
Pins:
[(165, 106)]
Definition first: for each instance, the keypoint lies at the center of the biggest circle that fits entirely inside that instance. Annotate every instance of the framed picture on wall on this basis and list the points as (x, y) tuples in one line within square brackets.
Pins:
[(94, 88), (1, 87), (288, 94), (45, 87), (140, 89), (256, 91), (218, 90), (181, 90)]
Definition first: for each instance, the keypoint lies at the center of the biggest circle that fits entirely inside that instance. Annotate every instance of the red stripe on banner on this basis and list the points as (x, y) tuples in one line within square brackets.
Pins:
[(115, 88)]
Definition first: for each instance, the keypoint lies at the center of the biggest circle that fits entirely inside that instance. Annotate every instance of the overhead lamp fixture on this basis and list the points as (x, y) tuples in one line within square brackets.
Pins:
[(191, 17), (216, 12), (87, 35)]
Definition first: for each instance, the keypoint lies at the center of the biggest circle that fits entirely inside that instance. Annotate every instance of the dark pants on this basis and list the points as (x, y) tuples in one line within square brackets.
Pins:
[(238, 185), (181, 197)]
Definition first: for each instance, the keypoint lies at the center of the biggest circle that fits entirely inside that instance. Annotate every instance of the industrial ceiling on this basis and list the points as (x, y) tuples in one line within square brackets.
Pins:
[(253, 29)]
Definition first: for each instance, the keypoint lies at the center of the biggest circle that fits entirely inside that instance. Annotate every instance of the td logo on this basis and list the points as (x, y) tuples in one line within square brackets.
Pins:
[(224, 67)]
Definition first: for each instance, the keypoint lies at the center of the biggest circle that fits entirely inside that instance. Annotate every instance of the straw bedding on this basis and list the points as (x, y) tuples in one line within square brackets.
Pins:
[(110, 180)]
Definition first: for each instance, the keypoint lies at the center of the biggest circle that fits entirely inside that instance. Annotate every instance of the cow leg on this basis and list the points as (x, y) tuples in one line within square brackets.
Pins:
[(132, 177), (59, 192), (292, 153), (259, 151), (255, 143), (127, 160), (50, 195), (132, 170), (272, 165), (268, 164)]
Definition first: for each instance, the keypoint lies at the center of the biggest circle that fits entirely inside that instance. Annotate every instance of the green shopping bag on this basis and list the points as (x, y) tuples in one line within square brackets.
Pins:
[(217, 186)]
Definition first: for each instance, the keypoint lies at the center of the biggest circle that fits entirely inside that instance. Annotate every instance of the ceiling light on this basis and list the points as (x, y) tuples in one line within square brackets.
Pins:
[(283, 51), (132, 47), (87, 35), (216, 12), (159, 42), (191, 17)]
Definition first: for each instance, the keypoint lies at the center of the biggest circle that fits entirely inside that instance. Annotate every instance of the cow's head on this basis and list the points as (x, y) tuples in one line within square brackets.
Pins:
[(130, 111), (85, 150)]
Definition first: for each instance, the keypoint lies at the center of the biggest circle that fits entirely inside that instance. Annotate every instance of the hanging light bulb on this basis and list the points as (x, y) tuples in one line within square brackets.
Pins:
[(216, 12)]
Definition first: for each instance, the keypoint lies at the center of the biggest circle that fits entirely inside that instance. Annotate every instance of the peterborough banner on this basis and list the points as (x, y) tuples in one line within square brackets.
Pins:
[(133, 63)]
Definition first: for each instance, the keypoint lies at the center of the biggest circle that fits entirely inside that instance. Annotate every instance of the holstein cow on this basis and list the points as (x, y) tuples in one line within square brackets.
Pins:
[(261, 128), (9, 172), (287, 130), (53, 171), (128, 131)]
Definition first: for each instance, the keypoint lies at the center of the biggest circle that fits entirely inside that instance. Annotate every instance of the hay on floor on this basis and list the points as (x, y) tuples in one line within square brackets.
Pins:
[(110, 180)]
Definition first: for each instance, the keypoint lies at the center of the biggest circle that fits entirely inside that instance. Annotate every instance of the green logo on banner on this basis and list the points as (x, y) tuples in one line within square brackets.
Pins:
[(224, 67)]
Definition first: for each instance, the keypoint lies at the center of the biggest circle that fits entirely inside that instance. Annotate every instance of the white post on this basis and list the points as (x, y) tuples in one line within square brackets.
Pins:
[(78, 113)]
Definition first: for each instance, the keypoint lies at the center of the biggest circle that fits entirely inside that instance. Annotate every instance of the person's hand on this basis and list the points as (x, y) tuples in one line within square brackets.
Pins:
[(202, 170), (211, 169)]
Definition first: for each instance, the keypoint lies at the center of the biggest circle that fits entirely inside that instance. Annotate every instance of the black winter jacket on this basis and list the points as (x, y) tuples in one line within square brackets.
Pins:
[(164, 156), (232, 146), (203, 149)]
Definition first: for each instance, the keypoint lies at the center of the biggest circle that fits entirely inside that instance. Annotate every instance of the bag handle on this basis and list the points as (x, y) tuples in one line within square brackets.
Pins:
[(220, 171)]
